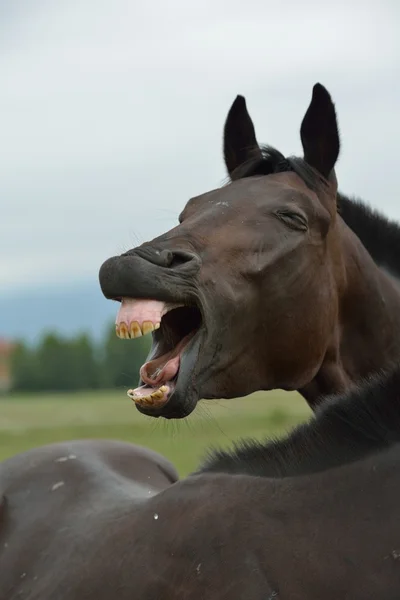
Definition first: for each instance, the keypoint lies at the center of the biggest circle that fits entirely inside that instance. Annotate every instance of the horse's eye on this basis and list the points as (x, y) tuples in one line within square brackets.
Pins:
[(293, 219)]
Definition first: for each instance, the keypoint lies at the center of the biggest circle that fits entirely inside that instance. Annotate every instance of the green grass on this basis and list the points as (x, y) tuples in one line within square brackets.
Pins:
[(30, 421)]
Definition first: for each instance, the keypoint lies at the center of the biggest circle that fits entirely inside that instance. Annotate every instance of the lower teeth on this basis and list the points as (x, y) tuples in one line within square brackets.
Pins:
[(157, 395)]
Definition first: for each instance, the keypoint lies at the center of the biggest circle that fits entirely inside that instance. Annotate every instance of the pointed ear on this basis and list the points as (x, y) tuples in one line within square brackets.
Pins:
[(240, 141), (319, 132)]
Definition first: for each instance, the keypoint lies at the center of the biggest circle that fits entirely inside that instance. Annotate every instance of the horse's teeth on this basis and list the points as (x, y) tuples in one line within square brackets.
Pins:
[(121, 331), (147, 327), (135, 329), (150, 399), (139, 399)]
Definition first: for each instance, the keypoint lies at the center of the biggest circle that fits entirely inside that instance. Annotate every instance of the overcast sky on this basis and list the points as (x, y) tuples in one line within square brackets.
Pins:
[(111, 113)]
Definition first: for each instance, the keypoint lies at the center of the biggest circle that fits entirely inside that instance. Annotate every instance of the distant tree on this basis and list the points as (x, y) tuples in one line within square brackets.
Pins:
[(55, 363), (84, 366), (67, 364), (122, 359), (24, 371)]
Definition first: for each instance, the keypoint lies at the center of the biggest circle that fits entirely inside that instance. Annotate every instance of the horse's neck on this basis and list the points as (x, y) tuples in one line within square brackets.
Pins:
[(366, 337)]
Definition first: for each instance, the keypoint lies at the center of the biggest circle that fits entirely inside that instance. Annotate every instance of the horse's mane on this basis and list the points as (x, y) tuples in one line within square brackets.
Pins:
[(272, 161), (378, 234), (344, 429)]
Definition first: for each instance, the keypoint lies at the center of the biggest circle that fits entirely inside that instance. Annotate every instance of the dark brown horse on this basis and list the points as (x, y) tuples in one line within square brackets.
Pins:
[(314, 516), (262, 284)]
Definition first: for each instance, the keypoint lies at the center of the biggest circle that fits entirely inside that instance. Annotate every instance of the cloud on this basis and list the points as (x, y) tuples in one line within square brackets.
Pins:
[(112, 113)]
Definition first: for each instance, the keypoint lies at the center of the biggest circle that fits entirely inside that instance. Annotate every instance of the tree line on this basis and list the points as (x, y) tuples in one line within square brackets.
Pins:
[(57, 363)]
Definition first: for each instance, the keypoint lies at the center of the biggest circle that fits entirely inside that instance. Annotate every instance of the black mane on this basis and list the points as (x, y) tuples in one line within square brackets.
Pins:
[(272, 161), (378, 234), (345, 429)]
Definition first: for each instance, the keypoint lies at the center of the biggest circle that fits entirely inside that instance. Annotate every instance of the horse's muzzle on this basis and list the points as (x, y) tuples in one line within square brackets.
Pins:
[(148, 273)]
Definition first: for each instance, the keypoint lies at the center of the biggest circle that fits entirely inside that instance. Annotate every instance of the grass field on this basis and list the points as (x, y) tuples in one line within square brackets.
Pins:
[(30, 421)]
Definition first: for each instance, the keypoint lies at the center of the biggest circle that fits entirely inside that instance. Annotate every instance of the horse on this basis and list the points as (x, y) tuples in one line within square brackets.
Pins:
[(262, 284), (53, 499), (312, 516)]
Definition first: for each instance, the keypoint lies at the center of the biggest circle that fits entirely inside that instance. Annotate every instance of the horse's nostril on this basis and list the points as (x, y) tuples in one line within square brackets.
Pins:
[(166, 257), (178, 258), (171, 259)]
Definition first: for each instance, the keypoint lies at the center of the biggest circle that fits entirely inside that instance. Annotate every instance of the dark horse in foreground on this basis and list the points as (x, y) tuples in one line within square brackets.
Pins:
[(262, 285), (314, 516)]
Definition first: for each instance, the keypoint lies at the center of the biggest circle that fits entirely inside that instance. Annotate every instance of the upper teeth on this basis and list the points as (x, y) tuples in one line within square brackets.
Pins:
[(139, 317), (134, 329)]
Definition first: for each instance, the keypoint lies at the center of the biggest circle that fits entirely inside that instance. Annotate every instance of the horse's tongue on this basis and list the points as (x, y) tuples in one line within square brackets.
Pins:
[(165, 367), (155, 371)]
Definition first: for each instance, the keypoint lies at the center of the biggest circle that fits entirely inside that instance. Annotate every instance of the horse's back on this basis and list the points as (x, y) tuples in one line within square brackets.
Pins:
[(57, 501), (87, 458)]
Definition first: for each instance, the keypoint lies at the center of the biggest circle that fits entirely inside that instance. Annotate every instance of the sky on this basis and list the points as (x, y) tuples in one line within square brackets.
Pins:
[(112, 111)]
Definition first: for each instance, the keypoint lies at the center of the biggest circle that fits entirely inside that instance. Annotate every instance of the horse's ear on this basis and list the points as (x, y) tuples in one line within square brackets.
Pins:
[(319, 132), (240, 141)]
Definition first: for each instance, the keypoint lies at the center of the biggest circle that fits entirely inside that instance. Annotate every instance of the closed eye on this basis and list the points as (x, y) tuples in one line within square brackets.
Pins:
[(292, 219)]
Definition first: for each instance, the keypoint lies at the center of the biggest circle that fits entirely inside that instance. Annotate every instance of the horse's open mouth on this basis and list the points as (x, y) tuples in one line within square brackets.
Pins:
[(173, 327)]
